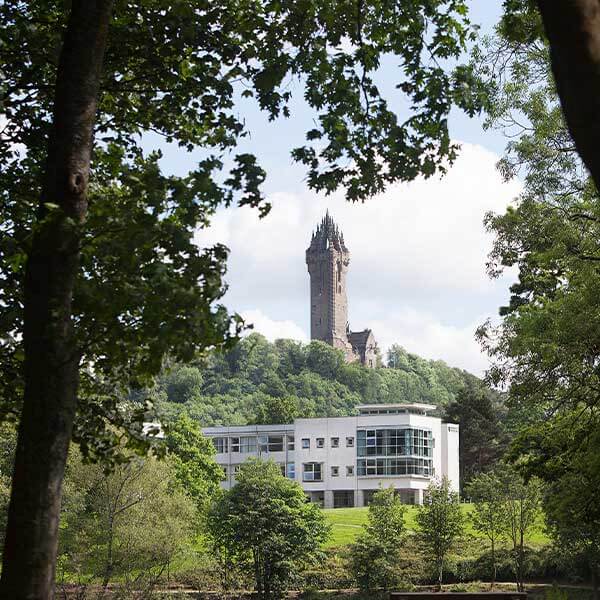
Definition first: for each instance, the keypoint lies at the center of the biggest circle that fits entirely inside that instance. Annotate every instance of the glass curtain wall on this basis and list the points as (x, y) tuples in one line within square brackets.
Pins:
[(384, 446)]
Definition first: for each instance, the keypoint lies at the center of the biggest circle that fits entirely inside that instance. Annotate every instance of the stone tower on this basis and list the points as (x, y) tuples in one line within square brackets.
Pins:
[(328, 258)]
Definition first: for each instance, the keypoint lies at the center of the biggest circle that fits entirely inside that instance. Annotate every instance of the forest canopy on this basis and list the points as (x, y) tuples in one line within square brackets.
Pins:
[(228, 388)]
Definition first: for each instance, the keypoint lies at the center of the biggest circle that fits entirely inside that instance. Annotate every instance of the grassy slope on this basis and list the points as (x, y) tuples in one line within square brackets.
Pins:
[(346, 524)]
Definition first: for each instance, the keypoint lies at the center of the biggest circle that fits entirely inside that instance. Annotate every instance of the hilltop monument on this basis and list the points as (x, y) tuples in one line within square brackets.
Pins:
[(328, 258)]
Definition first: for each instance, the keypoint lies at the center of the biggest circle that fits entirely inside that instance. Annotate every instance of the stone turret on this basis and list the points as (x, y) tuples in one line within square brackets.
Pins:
[(327, 259)]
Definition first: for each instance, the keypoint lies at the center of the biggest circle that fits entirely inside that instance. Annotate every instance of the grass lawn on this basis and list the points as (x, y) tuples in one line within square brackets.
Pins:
[(346, 524)]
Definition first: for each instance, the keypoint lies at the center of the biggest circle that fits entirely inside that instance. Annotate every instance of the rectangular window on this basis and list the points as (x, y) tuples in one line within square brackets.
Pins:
[(335, 471), (290, 442), (275, 443), (320, 442), (306, 443), (335, 442), (263, 443), (312, 472), (270, 443), (224, 475), (247, 445), (291, 470), (350, 442), (220, 444), (350, 471), (236, 469)]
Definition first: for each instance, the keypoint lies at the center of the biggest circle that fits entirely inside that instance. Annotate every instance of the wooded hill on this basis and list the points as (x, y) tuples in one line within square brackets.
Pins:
[(228, 388)]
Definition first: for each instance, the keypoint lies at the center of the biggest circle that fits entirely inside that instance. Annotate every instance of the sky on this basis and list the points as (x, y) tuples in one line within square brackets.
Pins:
[(418, 251)]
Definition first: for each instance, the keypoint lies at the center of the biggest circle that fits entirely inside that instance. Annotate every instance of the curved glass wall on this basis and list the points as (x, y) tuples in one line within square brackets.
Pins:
[(407, 441), (391, 452)]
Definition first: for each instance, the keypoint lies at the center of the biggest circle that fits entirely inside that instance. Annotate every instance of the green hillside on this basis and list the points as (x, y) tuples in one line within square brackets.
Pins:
[(229, 388)]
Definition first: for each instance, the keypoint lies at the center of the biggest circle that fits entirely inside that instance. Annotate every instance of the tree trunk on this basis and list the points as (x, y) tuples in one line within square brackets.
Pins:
[(595, 594), (521, 561), (573, 29), (494, 568), (51, 358)]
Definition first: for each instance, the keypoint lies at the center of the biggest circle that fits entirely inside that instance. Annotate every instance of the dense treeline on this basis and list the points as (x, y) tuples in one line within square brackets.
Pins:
[(228, 388)]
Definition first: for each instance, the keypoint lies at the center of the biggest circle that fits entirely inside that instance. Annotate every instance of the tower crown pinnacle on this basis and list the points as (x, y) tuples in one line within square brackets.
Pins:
[(327, 235)]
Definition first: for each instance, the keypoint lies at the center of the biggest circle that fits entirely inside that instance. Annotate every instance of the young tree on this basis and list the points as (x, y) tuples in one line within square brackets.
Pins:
[(100, 282), (125, 526), (266, 519), (375, 556), (490, 514), (523, 504), (440, 524)]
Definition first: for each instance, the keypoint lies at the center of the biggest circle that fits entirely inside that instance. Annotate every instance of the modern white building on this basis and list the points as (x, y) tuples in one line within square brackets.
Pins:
[(341, 461)]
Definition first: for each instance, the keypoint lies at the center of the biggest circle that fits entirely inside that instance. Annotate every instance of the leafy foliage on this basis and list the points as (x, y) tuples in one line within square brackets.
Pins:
[(547, 346), (441, 524), (192, 459), (261, 381), (144, 289), (125, 526), (376, 557), (265, 521)]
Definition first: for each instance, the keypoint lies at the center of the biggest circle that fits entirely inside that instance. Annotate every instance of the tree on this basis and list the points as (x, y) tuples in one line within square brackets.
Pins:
[(523, 504), (99, 284), (265, 518), (192, 460), (183, 383), (547, 344), (574, 37), (276, 410), (125, 526), (440, 524), (375, 556), (477, 409), (570, 32), (566, 453), (490, 514)]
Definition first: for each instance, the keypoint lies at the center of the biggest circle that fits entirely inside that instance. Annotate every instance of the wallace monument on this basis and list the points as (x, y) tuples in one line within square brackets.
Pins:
[(328, 258)]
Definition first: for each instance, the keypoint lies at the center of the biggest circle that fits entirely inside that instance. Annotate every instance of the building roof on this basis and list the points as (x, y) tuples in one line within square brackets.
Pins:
[(244, 429), (359, 338), (399, 407)]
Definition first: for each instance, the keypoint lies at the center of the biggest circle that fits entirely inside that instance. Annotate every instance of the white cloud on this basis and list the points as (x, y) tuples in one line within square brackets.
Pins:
[(272, 329), (418, 255), (425, 335)]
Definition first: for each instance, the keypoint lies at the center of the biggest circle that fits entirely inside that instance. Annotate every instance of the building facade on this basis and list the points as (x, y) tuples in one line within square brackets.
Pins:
[(342, 461), (327, 259)]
